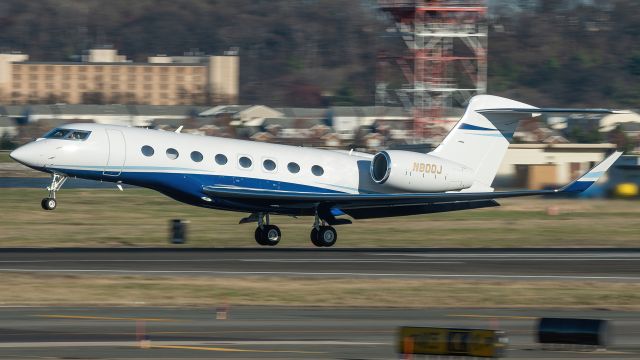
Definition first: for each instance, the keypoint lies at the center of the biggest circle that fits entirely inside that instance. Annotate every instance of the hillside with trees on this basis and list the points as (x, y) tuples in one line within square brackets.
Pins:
[(295, 53)]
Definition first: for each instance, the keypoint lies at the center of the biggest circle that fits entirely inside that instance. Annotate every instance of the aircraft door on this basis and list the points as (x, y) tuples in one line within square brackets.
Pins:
[(117, 153)]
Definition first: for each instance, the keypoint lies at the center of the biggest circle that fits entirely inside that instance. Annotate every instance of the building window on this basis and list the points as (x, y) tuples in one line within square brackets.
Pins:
[(172, 153), (245, 162), (33, 77), (269, 165), (115, 77), (293, 168), (317, 170), (196, 156), (98, 68), (147, 150), (147, 69), (221, 159), (17, 77)]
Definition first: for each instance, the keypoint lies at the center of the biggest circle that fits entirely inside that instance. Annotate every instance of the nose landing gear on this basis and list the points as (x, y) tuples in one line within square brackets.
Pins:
[(50, 203)]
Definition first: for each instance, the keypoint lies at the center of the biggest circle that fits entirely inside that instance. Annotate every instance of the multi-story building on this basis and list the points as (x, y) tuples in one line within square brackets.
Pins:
[(106, 77)]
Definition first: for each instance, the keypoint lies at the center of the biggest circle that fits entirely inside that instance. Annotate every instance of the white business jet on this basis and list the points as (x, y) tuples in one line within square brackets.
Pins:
[(263, 179)]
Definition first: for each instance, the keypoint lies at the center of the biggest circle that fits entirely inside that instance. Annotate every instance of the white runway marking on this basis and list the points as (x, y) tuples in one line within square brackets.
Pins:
[(315, 274)]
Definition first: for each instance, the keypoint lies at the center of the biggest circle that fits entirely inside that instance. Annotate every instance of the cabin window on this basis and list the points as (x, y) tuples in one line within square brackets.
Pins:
[(196, 156), (293, 168), (245, 162), (221, 159), (269, 165), (317, 170), (172, 153), (147, 150)]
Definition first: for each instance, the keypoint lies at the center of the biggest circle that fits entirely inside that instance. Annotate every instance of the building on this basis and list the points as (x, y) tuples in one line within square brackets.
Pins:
[(105, 77)]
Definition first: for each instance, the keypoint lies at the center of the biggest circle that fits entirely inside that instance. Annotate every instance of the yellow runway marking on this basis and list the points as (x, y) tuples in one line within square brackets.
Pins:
[(493, 316), (81, 317), (205, 348)]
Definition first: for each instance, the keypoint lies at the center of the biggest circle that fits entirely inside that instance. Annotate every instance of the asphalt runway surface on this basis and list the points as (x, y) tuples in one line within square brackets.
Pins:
[(274, 332), (300, 333), (506, 264)]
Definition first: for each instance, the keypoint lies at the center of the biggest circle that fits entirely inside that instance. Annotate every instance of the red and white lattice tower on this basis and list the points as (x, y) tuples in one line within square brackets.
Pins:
[(447, 57)]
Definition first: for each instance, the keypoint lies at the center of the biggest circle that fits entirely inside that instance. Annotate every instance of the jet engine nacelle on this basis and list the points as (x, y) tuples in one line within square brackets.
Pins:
[(415, 172)]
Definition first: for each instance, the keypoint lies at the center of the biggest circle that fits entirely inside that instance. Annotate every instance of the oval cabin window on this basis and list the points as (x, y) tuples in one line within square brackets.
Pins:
[(245, 162), (172, 153), (293, 168), (317, 170), (221, 159), (196, 156), (147, 150)]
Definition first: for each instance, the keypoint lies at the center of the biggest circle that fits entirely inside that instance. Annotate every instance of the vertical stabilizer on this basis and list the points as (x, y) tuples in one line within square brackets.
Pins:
[(480, 140)]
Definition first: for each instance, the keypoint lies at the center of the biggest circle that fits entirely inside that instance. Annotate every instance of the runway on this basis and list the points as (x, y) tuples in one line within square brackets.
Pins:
[(272, 332), (517, 264)]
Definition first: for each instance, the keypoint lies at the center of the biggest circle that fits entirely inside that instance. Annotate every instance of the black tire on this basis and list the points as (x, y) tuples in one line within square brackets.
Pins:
[(269, 235), (48, 203), (326, 236), (258, 236), (314, 237)]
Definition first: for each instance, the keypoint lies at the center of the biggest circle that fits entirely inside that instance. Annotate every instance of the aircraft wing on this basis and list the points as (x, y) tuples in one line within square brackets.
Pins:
[(356, 201)]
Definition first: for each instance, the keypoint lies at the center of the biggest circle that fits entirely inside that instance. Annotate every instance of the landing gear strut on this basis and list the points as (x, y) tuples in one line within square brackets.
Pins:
[(323, 235), (267, 234), (50, 203)]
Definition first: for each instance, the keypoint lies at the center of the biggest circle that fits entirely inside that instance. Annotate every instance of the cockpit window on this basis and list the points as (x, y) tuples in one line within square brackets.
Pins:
[(57, 133), (79, 135), (68, 134)]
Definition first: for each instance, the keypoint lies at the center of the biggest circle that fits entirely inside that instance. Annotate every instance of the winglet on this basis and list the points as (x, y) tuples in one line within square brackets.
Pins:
[(585, 181)]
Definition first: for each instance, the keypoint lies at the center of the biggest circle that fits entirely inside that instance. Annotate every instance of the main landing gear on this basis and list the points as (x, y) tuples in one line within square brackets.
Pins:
[(267, 234), (322, 234), (50, 203)]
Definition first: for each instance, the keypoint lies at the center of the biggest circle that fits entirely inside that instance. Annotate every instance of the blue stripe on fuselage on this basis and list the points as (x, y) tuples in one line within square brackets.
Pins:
[(191, 183)]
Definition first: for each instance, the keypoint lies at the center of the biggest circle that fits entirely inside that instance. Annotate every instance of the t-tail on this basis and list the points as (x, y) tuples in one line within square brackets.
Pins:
[(480, 139)]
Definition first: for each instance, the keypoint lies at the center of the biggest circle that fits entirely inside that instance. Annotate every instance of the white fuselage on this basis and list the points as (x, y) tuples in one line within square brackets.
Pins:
[(179, 164)]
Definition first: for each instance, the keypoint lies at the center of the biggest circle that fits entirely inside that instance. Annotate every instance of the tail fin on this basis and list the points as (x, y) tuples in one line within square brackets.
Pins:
[(479, 140)]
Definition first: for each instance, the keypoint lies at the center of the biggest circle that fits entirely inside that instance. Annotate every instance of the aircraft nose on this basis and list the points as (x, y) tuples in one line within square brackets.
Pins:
[(26, 155)]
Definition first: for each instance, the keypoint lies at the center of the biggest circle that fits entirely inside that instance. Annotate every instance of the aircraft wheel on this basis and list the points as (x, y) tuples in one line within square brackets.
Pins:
[(48, 203), (326, 236), (269, 235)]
